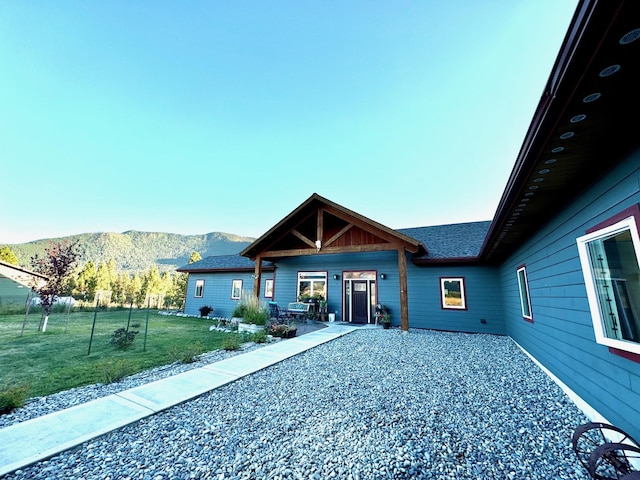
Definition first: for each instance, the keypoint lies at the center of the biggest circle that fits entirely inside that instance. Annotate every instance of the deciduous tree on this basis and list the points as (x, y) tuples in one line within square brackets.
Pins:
[(7, 255), (57, 263)]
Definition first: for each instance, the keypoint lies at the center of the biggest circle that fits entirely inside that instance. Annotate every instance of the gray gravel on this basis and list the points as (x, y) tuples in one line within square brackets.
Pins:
[(374, 404), (38, 406)]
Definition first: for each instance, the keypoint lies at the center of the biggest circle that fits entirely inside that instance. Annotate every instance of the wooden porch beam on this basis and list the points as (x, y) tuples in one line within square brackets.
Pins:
[(257, 276), (404, 300), (376, 247), (320, 225)]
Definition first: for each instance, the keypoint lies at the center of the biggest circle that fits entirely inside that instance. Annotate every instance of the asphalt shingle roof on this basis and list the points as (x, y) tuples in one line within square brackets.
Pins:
[(455, 241), (223, 262), (460, 240)]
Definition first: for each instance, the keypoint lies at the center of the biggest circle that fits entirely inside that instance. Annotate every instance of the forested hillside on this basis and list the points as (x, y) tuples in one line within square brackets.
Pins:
[(134, 251)]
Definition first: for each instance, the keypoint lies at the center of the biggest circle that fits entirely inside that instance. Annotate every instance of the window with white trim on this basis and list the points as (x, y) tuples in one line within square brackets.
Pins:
[(236, 289), (199, 289), (525, 299), (610, 265), (312, 284), (452, 294)]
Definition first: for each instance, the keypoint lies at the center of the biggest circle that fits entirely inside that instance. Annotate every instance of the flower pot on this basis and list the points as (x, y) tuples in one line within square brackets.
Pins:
[(386, 326)]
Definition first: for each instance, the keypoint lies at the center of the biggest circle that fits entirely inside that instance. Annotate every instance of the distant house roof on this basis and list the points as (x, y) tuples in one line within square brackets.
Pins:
[(455, 242), (20, 275), (221, 263)]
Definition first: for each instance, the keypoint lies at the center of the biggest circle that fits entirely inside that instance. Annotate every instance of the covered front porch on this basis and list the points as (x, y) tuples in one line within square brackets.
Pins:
[(326, 252)]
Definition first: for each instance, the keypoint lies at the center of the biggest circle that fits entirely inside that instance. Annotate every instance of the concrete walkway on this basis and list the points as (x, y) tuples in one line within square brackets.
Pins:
[(31, 441)]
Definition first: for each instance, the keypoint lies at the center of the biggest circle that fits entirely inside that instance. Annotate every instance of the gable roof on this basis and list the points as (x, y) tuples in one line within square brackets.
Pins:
[(338, 229), (584, 125), (460, 242), (224, 263)]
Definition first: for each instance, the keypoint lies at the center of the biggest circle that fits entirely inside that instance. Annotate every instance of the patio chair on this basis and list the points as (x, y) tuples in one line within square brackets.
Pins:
[(275, 312)]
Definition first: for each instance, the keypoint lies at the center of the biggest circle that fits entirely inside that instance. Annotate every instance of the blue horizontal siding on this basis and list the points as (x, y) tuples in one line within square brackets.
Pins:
[(562, 336), (423, 289), (483, 297), (285, 284), (217, 292)]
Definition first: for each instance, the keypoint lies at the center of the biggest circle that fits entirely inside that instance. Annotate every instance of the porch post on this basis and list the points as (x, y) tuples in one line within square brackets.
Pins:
[(257, 276), (402, 274)]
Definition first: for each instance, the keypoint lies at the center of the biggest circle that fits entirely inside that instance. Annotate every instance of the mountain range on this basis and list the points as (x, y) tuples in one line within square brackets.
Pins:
[(135, 251)]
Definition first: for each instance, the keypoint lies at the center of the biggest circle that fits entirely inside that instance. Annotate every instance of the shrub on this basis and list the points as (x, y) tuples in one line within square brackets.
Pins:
[(231, 343), (188, 354), (239, 311), (13, 397), (115, 370), (205, 310), (123, 338), (251, 310), (259, 337)]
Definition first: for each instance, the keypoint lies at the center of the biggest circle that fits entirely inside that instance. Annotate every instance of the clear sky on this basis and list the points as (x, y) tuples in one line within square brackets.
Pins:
[(200, 116)]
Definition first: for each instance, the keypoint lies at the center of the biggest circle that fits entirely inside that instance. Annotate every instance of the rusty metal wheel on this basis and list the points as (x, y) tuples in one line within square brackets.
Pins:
[(586, 438), (613, 461)]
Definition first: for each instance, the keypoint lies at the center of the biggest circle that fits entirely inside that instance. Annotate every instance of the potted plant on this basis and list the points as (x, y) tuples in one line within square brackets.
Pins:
[(322, 306), (254, 315), (383, 316), (282, 330)]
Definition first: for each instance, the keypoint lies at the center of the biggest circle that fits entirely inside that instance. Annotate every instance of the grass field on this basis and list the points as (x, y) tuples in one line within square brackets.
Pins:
[(58, 359)]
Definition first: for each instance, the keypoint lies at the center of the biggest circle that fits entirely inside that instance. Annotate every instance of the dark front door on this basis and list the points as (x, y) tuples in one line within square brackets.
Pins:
[(360, 302)]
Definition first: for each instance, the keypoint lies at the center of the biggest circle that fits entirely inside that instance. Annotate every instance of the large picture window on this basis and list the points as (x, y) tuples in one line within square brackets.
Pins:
[(199, 289), (610, 265), (452, 294), (523, 288), (312, 284)]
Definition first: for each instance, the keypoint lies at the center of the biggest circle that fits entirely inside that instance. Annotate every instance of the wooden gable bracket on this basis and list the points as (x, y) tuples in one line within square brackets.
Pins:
[(355, 222), (306, 240), (338, 235)]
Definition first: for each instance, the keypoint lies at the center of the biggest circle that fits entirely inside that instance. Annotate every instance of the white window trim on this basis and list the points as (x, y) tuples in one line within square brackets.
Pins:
[(235, 282), (200, 283), (592, 295), (523, 269), (463, 293), (301, 277)]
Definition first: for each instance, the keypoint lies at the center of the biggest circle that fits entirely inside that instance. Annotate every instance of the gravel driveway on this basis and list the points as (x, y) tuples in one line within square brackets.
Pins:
[(375, 404)]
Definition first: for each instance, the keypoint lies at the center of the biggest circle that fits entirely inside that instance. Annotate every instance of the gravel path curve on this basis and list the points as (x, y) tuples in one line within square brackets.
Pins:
[(375, 404)]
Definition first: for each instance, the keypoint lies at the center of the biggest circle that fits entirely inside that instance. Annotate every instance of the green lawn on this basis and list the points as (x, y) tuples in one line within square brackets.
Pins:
[(57, 359)]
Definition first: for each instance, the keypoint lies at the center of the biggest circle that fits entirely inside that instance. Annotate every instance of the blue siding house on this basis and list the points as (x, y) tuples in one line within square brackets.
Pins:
[(557, 269)]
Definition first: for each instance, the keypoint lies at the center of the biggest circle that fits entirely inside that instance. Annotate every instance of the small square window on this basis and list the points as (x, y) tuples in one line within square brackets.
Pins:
[(525, 300), (199, 289), (268, 288), (452, 293), (236, 290), (610, 265)]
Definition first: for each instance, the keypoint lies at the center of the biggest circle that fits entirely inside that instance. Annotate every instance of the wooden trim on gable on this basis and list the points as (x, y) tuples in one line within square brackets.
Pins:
[(336, 230)]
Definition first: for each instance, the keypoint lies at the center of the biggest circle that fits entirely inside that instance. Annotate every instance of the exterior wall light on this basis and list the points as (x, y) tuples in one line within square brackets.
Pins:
[(336, 276), (383, 276)]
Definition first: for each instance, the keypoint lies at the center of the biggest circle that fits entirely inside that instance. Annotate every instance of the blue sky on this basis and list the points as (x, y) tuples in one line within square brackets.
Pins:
[(200, 116)]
